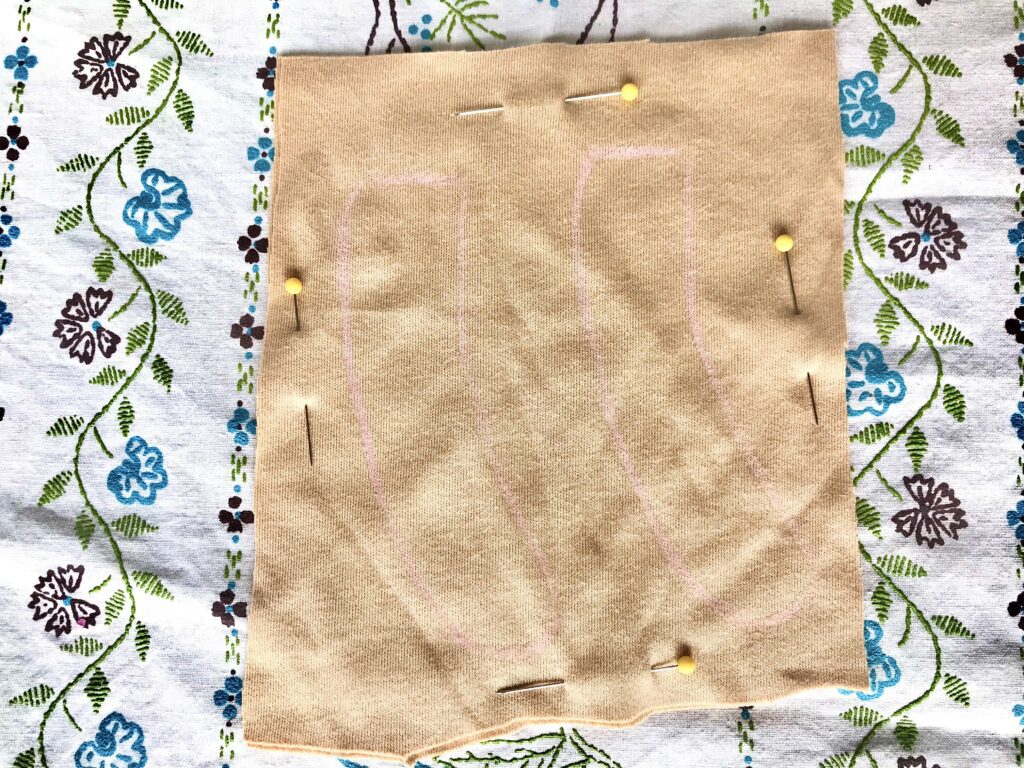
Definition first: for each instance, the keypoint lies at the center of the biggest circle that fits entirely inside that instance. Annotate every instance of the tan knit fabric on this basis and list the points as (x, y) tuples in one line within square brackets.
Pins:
[(560, 419)]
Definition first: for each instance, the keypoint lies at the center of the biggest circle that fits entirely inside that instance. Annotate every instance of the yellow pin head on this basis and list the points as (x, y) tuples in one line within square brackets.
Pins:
[(293, 286), (686, 665), (783, 243), (629, 92)]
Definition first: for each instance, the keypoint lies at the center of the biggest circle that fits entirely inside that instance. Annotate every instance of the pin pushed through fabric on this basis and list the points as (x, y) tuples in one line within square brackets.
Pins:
[(784, 244), (814, 404), (530, 686), (309, 437), (294, 286), (685, 665), (628, 92)]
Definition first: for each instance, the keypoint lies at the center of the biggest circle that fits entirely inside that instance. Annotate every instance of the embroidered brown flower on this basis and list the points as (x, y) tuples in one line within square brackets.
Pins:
[(1015, 60), (12, 144), (253, 244), (245, 331), (936, 516), (909, 761), (97, 65), (268, 73), (937, 240), (234, 518), (226, 608), (80, 331), (51, 600), (1016, 608)]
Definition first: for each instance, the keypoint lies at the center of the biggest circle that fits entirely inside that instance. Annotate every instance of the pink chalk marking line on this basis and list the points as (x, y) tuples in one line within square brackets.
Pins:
[(481, 418), (678, 568)]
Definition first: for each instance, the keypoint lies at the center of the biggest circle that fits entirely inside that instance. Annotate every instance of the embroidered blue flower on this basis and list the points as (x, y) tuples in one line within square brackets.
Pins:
[(1017, 421), (6, 318), (242, 425), (229, 698), (262, 155), (21, 61), (861, 110), (1015, 519), (871, 386), (1016, 147), (157, 212), (1018, 711), (1016, 237), (8, 231), (883, 671), (119, 743), (137, 479)]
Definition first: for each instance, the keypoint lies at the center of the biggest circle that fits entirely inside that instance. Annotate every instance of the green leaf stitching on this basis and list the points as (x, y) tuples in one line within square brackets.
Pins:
[(85, 527), (125, 416), (906, 733), (951, 336), (193, 43), (886, 322), (863, 156), (172, 307), (142, 640), (137, 338), (952, 626), (872, 433), (54, 488), (917, 447), (65, 426), (151, 584), (113, 607), (942, 66), (881, 599), (956, 689), (878, 49), (128, 116), (143, 149), (954, 403), (108, 376), (68, 219), (33, 697), (868, 517), (132, 526), (899, 16), (78, 164), (83, 646), (900, 565), (159, 74), (97, 689), (162, 372)]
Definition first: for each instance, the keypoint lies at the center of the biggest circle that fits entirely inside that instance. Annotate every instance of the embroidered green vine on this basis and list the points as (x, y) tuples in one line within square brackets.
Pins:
[(906, 732), (59, 700), (882, 287)]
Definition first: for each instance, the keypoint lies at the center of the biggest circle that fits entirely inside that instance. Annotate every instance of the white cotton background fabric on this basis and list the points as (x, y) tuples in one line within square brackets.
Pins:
[(170, 696)]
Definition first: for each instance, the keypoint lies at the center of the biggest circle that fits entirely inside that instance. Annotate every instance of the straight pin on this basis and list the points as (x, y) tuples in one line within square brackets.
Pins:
[(814, 405), (784, 244), (530, 686), (309, 437), (483, 111), (294, 286), (627, 92)]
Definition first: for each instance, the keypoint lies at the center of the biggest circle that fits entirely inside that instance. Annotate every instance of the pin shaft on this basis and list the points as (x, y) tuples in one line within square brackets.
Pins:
[(531, 686), (814, 404), (792, 287), (309, 437)]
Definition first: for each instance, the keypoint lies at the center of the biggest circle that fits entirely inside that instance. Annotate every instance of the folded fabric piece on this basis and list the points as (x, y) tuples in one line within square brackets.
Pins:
[(545, 410)]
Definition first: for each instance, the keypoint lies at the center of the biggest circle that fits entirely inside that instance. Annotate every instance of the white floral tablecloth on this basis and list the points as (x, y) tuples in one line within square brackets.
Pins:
[(136, 151)]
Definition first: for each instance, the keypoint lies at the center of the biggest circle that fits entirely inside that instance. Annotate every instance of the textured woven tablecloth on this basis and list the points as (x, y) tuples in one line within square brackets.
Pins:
[(135, 157)]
